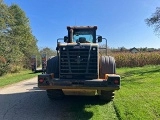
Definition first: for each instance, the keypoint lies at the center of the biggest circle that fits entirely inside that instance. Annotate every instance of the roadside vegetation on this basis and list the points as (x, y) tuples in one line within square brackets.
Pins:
[(16, 77), (17, 43)]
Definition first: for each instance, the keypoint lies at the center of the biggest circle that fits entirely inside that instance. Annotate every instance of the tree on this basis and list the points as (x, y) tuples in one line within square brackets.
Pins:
[(23, 38), (48, 51), (154, 20), (6, 20), (17, 44), (122, 49)]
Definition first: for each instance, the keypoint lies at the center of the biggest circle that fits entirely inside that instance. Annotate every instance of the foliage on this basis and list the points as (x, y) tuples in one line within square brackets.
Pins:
[(17, 43), (3, 65), (154, 20), (48, 51), (22, 34)]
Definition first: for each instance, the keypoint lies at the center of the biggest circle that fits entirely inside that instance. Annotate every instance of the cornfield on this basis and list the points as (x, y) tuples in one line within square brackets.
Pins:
[(127, 59)]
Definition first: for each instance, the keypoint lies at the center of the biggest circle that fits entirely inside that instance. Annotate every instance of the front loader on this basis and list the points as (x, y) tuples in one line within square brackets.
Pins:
[(79, 68)]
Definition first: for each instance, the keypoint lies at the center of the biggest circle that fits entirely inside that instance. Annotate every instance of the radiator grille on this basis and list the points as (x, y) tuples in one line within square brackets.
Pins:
[(78, 63)]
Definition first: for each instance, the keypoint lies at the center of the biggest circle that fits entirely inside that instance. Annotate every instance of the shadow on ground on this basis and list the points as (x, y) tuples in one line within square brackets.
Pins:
[(140, 72), (35, 105), (140, 75)]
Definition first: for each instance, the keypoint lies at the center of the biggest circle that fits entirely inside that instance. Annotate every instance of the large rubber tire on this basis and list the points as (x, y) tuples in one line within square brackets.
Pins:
[(107, 66), (53, 67), (106, 95)]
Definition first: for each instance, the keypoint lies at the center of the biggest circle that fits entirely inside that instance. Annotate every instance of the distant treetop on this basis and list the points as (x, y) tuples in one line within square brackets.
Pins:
[(154, 20)]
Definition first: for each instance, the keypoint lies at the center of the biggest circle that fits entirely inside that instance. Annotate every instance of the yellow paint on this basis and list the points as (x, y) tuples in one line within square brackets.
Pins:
[(84, 92)]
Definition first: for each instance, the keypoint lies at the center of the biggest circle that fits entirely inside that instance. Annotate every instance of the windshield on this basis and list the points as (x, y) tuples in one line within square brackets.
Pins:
[(83, 36)]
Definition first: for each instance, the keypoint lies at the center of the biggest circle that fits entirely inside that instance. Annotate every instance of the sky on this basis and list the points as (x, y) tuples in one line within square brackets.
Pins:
[(121, 22)]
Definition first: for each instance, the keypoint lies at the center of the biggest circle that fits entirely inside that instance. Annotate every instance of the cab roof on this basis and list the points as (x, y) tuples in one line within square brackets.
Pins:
[(81, 27)]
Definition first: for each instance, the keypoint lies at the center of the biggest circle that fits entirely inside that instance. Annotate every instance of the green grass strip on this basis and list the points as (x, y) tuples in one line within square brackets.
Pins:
[(139, 96), (16, 77)]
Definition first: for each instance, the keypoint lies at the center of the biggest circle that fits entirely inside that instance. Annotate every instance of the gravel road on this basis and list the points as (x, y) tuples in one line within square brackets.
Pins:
[(24, 101)]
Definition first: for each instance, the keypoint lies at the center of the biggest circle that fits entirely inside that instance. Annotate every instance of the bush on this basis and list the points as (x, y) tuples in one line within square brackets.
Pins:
[(3, 66), (14, 68)]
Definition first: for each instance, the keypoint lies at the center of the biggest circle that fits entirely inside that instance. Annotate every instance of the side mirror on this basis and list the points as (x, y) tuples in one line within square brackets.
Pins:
[(65, 39), (99, 38), (58, 44)]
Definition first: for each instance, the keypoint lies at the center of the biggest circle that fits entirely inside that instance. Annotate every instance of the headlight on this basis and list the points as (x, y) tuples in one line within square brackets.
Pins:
[(93, 48), (64, 48)]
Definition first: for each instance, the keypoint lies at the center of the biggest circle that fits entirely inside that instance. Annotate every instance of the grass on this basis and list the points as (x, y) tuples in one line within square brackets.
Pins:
[(138, 98), (102, 112), (88, 108), (16, 77)]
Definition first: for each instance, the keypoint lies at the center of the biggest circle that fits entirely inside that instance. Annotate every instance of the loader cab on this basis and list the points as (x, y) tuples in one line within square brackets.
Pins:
[(82, 34)]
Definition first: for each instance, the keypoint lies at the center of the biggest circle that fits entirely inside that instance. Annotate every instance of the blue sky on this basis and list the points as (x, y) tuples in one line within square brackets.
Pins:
[(120, 21)]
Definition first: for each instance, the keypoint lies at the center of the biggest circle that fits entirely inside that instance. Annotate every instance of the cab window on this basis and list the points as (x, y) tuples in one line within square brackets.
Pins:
[(83, 36)]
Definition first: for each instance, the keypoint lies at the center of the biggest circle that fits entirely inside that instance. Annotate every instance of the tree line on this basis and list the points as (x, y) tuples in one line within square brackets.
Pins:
[(17, 42)]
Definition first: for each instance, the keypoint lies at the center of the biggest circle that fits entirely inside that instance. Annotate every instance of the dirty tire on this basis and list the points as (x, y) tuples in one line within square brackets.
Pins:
[(52, 66), (107, 65), (106, 95), (55, 94)]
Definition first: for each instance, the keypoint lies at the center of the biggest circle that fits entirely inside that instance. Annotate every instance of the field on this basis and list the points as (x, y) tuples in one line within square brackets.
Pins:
[(127, 59)]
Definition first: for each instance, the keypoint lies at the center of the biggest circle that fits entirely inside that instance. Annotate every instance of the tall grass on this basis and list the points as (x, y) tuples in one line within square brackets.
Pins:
[(127, 59)]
